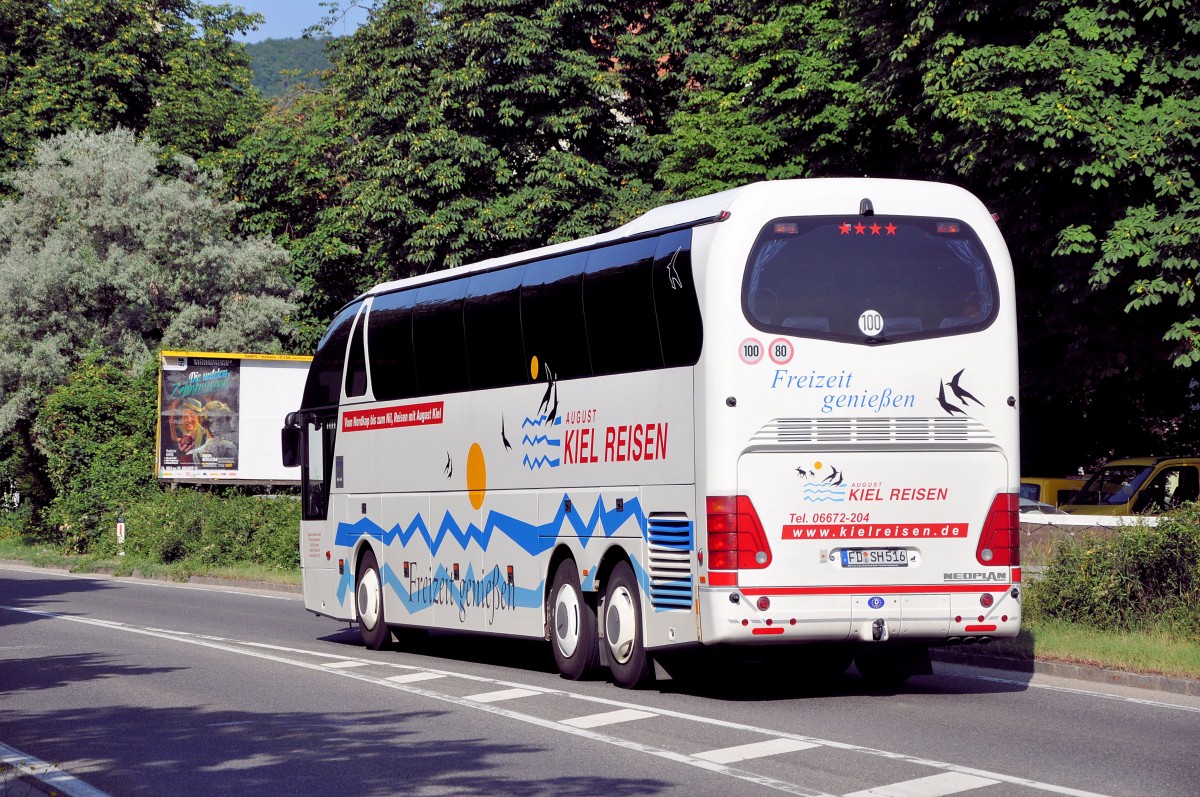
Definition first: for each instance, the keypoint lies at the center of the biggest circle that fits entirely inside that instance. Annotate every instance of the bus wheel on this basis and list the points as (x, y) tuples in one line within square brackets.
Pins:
[(573, 621), (368, 600), (623, 629)]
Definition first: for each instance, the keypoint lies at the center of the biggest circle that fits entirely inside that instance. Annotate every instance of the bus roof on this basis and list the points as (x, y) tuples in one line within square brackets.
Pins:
[(685, 213)]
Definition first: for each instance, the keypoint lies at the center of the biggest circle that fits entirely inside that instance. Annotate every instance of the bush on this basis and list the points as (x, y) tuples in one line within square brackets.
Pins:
[(1138, 578), (97, 435), (211, 528)]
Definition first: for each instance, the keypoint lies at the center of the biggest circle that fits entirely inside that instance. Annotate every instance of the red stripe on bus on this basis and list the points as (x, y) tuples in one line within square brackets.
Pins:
[(875, 589)]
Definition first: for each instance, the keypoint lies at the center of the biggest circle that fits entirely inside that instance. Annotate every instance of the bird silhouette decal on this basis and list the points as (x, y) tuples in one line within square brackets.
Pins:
[(960, 392), (672, 274), (551, 389), (947, 406), (503, 438), (834, 479), (449, 466)]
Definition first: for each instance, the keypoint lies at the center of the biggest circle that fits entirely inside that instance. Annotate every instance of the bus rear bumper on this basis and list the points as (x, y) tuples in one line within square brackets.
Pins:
[(794, 615)]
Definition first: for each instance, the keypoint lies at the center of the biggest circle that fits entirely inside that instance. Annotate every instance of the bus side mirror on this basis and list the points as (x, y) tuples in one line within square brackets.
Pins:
[(290, 440)]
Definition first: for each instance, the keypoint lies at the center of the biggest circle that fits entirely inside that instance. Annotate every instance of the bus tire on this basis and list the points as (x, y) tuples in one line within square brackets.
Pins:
[(572, 625), (627, 657), (368, 603)]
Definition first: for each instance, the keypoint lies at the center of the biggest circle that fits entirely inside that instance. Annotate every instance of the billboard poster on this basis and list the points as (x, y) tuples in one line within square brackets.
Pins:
[(220, 416), (200, 402)]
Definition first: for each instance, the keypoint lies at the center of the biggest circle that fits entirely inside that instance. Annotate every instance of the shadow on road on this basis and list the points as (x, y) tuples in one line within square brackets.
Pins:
[(734, 674), (188, 751)]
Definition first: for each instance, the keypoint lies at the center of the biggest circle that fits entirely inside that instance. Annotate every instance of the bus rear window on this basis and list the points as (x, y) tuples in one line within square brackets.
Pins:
[(868, 279)]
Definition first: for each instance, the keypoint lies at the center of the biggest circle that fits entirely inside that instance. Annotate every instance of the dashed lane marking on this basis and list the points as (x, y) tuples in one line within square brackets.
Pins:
[(414, 677), (609, 718), (743, 752), (503, 694), (932, 786)]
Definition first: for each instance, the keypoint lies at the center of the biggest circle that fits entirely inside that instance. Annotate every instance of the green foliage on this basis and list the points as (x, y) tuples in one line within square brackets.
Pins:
[(771, 91), (96, 433), (210, 529), (102, 250), (1138, 578), (166, 67), (279, 65)]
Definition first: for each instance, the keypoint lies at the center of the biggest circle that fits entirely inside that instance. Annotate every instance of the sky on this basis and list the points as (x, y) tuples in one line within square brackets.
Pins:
[(287, 19)]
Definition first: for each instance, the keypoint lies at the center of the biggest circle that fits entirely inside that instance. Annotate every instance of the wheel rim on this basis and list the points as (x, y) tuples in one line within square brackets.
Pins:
[(368, 595), (620, 624), (566, 621)]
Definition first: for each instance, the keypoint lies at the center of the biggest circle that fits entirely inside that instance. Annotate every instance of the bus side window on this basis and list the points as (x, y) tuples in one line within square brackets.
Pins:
[(679, 326), (439, 345), (323, 387), (393, 374), (492, 318), (356, 361), (552, 324), (618, 304), (318, 440)]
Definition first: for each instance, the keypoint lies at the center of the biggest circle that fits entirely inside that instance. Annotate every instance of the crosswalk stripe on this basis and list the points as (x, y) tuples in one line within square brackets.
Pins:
[(344, 665), (727, 755), (503, 694), (608, 718), (932, 786), (414, 677)]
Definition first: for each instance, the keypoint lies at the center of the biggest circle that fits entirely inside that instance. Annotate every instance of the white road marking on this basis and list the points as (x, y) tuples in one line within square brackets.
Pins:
[(503, 694), (608, 718), (247, 649), (345, 665), (742, 752), (1067, 690), (414, 677), (52, 776), (932, 786)]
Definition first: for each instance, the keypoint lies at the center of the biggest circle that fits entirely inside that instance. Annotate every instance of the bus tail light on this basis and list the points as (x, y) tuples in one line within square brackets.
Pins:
[(1000, 540), (736, 540)]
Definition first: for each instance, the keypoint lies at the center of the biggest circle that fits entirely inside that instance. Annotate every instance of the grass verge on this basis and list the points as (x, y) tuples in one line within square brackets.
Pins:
[(47, 556)]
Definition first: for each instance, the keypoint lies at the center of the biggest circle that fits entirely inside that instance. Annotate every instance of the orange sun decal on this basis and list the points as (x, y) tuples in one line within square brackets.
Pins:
[(476, 476)]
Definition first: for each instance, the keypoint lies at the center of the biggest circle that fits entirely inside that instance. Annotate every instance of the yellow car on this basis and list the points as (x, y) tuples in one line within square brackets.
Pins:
[(1137, 486)]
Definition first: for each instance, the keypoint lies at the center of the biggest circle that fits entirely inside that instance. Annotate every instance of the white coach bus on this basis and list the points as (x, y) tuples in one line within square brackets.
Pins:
[(783, 414)]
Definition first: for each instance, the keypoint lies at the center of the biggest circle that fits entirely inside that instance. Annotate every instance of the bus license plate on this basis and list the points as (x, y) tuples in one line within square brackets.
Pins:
[(874, 557)]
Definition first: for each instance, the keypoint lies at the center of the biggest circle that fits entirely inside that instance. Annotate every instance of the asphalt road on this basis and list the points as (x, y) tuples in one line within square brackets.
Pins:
[(123, 687)]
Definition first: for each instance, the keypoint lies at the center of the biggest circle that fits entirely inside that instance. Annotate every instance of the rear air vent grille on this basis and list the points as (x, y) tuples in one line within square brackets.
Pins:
[(671, 544), (850, 433)]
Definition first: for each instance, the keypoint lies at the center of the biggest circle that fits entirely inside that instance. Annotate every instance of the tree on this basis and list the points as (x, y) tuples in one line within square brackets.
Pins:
[(166, 67), (101, 250), (768, 91), (1077, 123)]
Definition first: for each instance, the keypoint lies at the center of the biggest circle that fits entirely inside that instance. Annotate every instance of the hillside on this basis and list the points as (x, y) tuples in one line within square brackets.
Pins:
[(300, 59)]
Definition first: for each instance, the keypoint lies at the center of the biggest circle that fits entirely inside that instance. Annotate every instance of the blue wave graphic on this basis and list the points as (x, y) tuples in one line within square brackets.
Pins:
[(550, 441), (540, 421), (542, 461), (531, 538)]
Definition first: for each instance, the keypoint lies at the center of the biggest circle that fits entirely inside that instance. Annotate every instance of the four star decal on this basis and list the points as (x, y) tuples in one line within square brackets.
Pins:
[(861, 229)]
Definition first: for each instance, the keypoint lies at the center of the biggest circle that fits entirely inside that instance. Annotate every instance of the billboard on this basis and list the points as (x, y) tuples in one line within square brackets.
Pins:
[(220, 415)]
